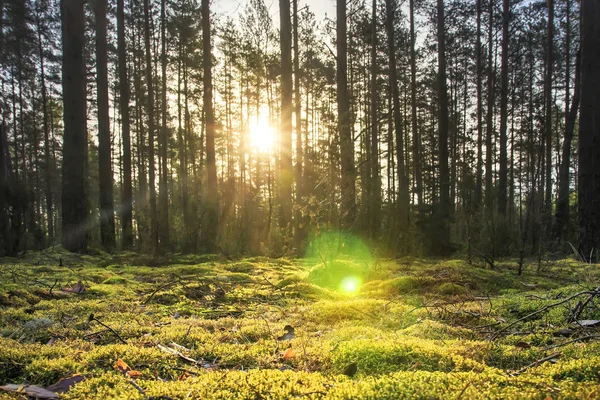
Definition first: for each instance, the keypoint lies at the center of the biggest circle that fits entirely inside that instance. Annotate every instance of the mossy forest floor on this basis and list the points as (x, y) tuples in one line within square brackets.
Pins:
[(204, 327)]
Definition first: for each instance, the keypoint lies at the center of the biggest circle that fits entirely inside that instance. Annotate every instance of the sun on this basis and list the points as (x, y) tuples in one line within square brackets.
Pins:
[(262, 136)]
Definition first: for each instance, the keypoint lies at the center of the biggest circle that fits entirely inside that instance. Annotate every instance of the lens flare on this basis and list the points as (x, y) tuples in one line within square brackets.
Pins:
[(350, 284)]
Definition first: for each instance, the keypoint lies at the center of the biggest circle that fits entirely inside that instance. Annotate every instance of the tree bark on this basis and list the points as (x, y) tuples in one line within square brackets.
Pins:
[(348, 171), (46, 128), (300, 184), (548, 114), (212, 196), (479, 74), (375, 180), (589, 133), (127, 198), (163, 188), (489, 129), (403, 195), (413, 102), (107, 215), (74, 197), (502, 184), (150, 106), (286, 173), (561, 218), (444, 206)]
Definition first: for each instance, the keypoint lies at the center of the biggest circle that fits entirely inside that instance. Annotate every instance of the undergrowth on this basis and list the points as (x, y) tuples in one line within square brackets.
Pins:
[(207, 327)]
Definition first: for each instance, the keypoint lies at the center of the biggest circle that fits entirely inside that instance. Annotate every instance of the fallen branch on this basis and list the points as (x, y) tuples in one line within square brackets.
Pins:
[(138, 387), (161, 287), (541, 310), (93, 318), (554, 346), (536, 363)]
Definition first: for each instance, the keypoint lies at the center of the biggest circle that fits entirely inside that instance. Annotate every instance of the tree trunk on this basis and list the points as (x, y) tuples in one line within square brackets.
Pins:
[(548, 115), (561, 219), (348, 171), (286, 173), (163, 188), (375, 180), (589, 133), (127, 200), (151, 167), (300, 184), (489, 129), (444, 206), (403, 195), (74, 197), (46, 128), (107, 215), (413, 102), (212, 197), (479, 74), (502, 184)]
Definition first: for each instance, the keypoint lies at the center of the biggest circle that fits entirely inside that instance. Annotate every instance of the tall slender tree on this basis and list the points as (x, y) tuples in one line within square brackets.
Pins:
[(150, 112), (479, 76), (127, 196), (548, 113), (375, 180), (503, 171), (212, 197), (489, 128), (413, 100), (75, 222), (286, 173), (589, 133), (348, 171), (107, 215), (444, 176), (163, 138)]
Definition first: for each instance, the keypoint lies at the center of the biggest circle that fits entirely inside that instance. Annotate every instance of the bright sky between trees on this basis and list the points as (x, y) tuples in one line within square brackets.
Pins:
[(232, 7)]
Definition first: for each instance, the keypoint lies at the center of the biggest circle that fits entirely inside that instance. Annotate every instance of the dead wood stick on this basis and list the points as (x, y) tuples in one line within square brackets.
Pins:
[(161, 287), (138, 387), (536, 363), (554, 346), (541, 310), (93, 318)]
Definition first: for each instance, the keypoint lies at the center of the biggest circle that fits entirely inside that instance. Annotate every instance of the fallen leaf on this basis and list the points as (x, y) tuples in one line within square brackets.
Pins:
[(134, 374), (64, 385), (184, 376), (121, 366), (288, 354), (31, 391)]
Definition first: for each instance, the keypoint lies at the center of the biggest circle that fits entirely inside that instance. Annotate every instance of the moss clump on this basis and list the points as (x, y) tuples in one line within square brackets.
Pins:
[(451, 289), (404, 284), (243, 266)]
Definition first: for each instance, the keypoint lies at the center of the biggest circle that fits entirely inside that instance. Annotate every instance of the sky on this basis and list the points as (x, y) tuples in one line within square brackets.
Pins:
[(232, 7)]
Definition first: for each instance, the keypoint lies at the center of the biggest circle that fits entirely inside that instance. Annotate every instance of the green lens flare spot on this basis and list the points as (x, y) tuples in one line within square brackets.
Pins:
[(350, 284)]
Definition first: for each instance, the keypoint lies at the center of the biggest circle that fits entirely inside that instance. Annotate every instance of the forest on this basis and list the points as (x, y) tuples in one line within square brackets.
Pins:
[(425, 128), (254, 199)]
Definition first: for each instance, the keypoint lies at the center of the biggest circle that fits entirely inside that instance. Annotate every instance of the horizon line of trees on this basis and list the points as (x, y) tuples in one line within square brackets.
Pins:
[(424, 127)]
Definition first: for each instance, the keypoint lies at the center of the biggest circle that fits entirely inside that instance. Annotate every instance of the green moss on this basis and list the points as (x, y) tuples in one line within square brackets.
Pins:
[(416, 328), (451, 289)]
